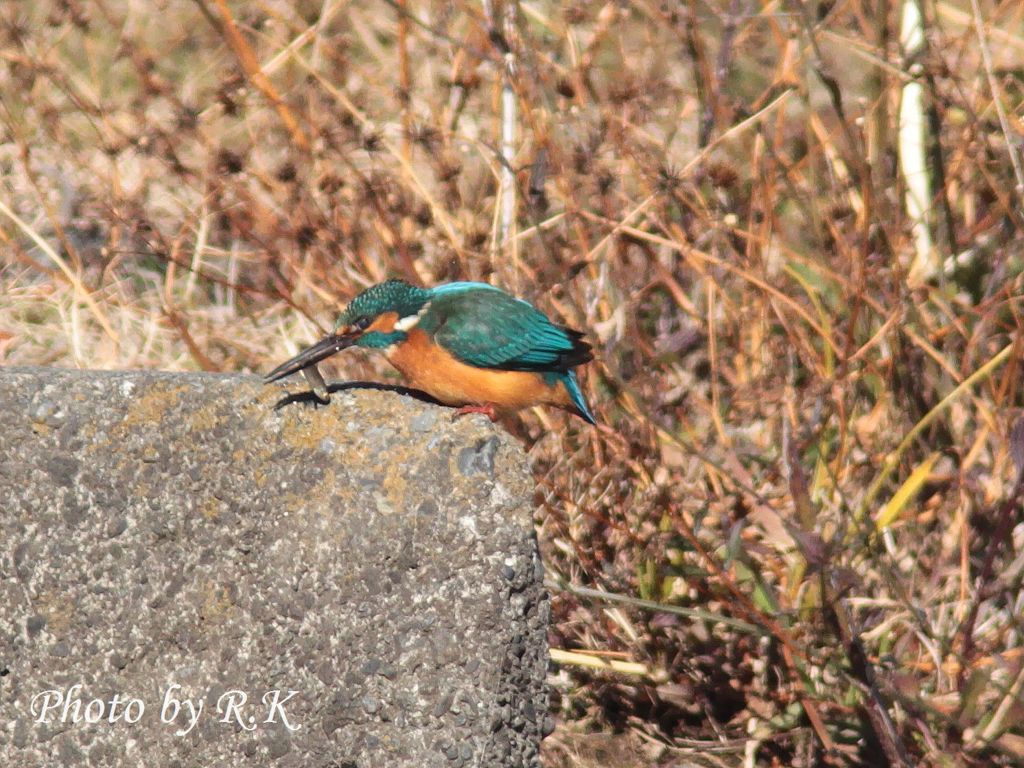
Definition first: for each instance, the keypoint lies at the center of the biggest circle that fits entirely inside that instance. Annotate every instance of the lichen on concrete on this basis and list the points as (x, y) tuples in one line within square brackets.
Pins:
[(173, 537)]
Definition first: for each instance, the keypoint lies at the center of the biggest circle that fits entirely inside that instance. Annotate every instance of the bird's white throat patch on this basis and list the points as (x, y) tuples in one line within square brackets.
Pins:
[(406, 323)]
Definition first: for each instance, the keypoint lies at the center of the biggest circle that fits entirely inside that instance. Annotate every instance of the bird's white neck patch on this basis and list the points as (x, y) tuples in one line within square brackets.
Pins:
[(407, 323)]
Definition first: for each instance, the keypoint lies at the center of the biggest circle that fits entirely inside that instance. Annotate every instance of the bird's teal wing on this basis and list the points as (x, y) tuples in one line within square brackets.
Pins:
[(488, 328)]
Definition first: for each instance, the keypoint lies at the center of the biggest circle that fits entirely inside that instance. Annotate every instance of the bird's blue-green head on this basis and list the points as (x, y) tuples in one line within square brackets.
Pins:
[(382, 315), (377, 318)]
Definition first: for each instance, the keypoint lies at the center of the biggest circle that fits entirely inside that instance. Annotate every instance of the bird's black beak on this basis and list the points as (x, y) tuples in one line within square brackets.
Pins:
[(313, 355)]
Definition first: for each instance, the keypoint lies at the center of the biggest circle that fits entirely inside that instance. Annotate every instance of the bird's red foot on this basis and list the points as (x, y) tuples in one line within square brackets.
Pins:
[(488, 410)]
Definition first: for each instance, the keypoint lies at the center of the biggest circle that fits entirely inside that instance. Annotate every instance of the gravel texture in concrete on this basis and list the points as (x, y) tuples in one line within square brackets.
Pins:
[(191, 578)]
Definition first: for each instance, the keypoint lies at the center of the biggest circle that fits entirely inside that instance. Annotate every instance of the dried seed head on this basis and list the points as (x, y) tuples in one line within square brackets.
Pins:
[(287, 173), (424, 216), (565, 88), (371, 140), (229, 162), (840, 211), (330, 183), (574, 13), (187, 118), (228, 93), (721, 174), (668, 179), (477, 239), (448, 168), (114, 148), (424, 134), (624, 91), (305, 235)]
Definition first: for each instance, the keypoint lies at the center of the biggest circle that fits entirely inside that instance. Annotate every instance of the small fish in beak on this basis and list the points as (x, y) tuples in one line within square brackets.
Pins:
[(306, 361)]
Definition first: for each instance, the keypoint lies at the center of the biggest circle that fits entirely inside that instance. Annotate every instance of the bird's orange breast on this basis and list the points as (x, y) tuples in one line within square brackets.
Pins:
[(437, 372)]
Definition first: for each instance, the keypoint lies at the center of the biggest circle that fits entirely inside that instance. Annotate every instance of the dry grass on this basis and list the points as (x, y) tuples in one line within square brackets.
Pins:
[(800, 525)]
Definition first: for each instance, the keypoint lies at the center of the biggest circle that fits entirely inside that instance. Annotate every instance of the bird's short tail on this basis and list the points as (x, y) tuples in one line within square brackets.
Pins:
[(576, 396)]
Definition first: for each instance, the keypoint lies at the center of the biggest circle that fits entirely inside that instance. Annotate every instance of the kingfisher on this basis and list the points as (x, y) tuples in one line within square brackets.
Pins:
[(466, 344)]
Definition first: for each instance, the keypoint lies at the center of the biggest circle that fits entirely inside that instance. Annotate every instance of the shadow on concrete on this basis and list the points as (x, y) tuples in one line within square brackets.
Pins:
[(311, 398)]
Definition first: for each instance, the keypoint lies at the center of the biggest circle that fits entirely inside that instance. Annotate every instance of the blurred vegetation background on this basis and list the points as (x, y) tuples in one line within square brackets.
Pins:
[(792, 230)]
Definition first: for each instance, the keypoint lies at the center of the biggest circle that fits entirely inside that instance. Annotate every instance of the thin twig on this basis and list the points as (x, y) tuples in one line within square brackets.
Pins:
[(993, 86), (251, 67), (72, 278)]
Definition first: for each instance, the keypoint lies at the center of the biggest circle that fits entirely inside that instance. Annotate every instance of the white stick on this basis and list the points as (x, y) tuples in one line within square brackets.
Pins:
[(508, 148), (913, 165)]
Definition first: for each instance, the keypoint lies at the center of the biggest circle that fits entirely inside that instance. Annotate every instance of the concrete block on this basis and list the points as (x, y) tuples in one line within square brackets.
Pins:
[(190, 578)]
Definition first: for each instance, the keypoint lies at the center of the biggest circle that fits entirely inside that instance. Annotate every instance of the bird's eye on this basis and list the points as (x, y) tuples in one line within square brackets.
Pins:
[(362, 323)]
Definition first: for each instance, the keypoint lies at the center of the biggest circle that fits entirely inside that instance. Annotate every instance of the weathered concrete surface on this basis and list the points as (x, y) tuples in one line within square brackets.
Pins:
[(171, 537)]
